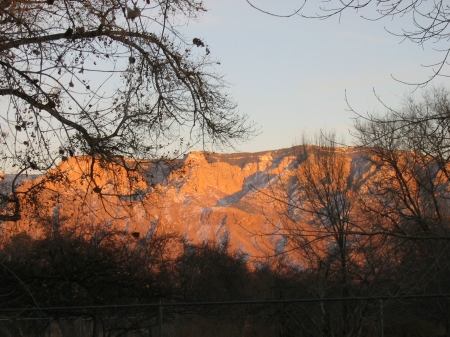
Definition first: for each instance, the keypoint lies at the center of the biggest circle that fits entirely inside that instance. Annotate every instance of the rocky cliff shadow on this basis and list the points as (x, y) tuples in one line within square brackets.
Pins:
[(259, 180), (158, 171), (256, 181)]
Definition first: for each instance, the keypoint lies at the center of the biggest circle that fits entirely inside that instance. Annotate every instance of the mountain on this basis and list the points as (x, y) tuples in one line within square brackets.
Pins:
[(353, 223), (241, 198)]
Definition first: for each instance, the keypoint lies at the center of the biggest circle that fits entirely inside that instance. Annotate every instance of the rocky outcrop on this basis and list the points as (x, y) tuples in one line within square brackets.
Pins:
[(205, 196)]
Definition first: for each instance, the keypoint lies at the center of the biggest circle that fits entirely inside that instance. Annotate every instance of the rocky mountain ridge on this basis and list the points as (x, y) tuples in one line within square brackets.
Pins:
[(205, 196)]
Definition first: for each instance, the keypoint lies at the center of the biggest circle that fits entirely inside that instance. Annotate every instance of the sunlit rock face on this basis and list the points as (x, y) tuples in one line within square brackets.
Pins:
[(205, 196), (222, 197)]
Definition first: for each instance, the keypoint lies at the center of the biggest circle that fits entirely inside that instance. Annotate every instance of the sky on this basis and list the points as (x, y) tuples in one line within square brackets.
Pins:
[(291, 75)]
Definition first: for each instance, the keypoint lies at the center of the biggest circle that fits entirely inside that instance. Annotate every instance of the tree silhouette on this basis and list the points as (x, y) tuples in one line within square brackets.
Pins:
[(111, 79), (419, 21)]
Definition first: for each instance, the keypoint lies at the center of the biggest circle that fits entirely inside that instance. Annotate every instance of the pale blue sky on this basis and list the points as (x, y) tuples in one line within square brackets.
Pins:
[(290, 74)]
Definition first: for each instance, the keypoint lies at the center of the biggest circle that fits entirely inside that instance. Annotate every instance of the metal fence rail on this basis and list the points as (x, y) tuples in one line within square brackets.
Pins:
[(220, 303), (245, 318)]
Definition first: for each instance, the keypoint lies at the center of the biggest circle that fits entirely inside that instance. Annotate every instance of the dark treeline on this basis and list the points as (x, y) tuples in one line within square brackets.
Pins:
[(77, 266)]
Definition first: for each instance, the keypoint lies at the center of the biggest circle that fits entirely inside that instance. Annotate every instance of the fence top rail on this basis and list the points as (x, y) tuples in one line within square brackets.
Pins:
[(219, 303)]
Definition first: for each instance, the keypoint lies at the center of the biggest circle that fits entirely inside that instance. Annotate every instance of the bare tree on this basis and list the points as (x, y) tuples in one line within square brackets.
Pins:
[(410, 149), (111, 79), (76, 265), (408, 195), (322, 224)]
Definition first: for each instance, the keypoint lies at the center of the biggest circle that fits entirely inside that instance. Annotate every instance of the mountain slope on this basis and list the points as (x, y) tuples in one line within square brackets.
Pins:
[(205, 196)]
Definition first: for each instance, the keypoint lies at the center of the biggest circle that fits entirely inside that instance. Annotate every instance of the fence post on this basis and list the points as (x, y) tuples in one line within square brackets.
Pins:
[(151, 333), (160, 320), (381, 319)]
